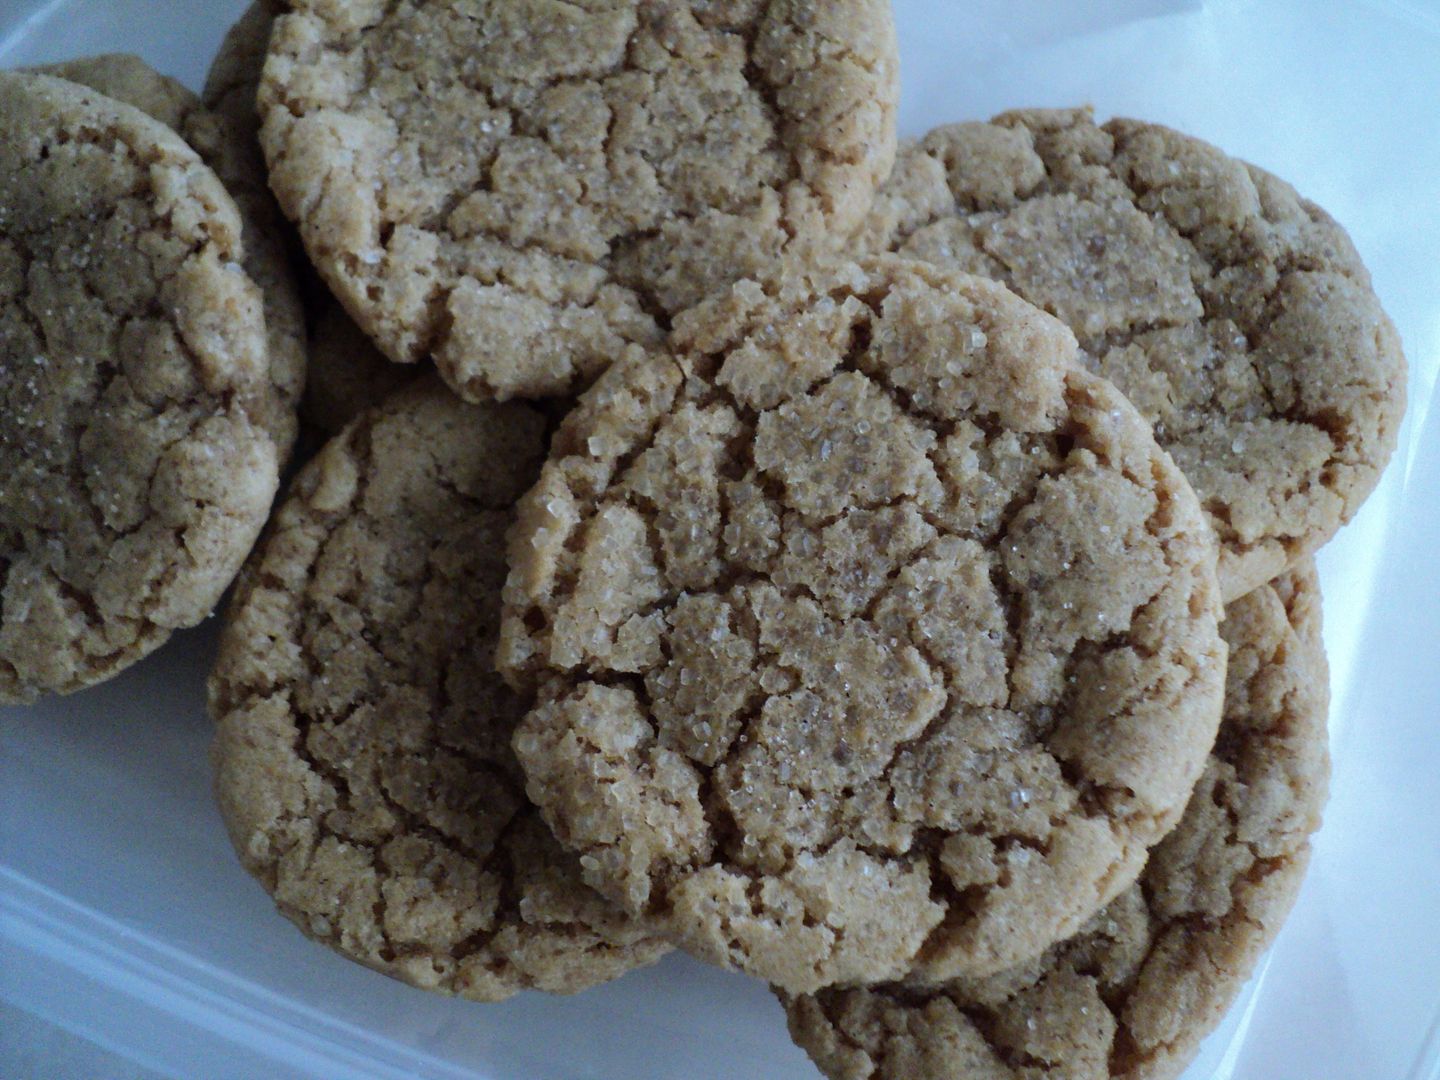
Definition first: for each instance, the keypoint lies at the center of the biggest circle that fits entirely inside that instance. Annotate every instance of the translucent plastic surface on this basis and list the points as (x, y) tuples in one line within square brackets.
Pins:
[(125, 918)]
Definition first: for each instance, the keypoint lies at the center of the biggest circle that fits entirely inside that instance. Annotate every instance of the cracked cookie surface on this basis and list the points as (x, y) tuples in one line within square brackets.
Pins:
[(134, 475), (1134, 992), (1236, 315), (523, 188), (362, 749), (345, 374), (234, 156), (872, 634)]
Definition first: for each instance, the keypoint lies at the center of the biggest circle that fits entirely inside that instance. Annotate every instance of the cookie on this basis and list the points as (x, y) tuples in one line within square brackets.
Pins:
[(1136, 990), (234, 76), (871, 632), (134, 474), (362, 756), (523, 189), (235, 159), (1236, 315), (347, 373)]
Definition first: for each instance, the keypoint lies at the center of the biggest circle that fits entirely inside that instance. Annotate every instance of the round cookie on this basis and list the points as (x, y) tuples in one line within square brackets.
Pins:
[(1234, 314), (362, 756), (872, 633), (1134, 992), (235, 158), (134, 475), (347, 373), (523, 188)]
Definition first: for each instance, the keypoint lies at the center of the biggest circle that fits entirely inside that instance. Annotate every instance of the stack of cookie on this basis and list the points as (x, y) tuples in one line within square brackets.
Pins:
[(914, 609)]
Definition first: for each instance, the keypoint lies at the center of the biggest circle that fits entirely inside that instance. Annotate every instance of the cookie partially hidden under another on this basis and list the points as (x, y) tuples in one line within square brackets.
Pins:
[(1233, 313), (234, 76), (362, 749), (347, 373), (136, 468), (1135, 991), (873, 636)]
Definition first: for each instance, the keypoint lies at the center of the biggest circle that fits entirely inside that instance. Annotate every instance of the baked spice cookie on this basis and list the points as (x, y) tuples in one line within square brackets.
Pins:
[(523, 188), (231, 153), (134, 474), (362, 749), (1233, 313), (1136, 990), (347, 373), (871, 632), (231, 86)]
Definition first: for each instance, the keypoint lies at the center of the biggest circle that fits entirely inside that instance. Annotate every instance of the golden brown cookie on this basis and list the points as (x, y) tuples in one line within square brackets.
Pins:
[(362, 749), (1136, 990), (522, 187), (231, 152), (347, 373), (1234, 314), (134, 473), (872, 632)]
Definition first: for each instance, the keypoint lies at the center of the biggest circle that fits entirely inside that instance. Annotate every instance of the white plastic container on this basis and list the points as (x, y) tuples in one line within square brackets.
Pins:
[(125, 918)]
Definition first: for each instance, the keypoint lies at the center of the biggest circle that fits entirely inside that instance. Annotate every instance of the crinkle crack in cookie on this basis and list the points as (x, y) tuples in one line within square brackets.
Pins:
[(362, 751), (231, 152), (134, 473), (1234, 314), (522, 187), (873, 633), (1136, 990), (346, 374)]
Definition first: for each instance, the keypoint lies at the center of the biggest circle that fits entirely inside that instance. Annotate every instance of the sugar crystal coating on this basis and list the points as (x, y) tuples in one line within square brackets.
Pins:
[(230, 150), (523, 188), (1234, 314), (872, 634), (1133, 993)]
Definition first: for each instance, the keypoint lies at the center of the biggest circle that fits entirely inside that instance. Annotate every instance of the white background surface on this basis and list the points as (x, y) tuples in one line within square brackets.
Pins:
[(125, 919)]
